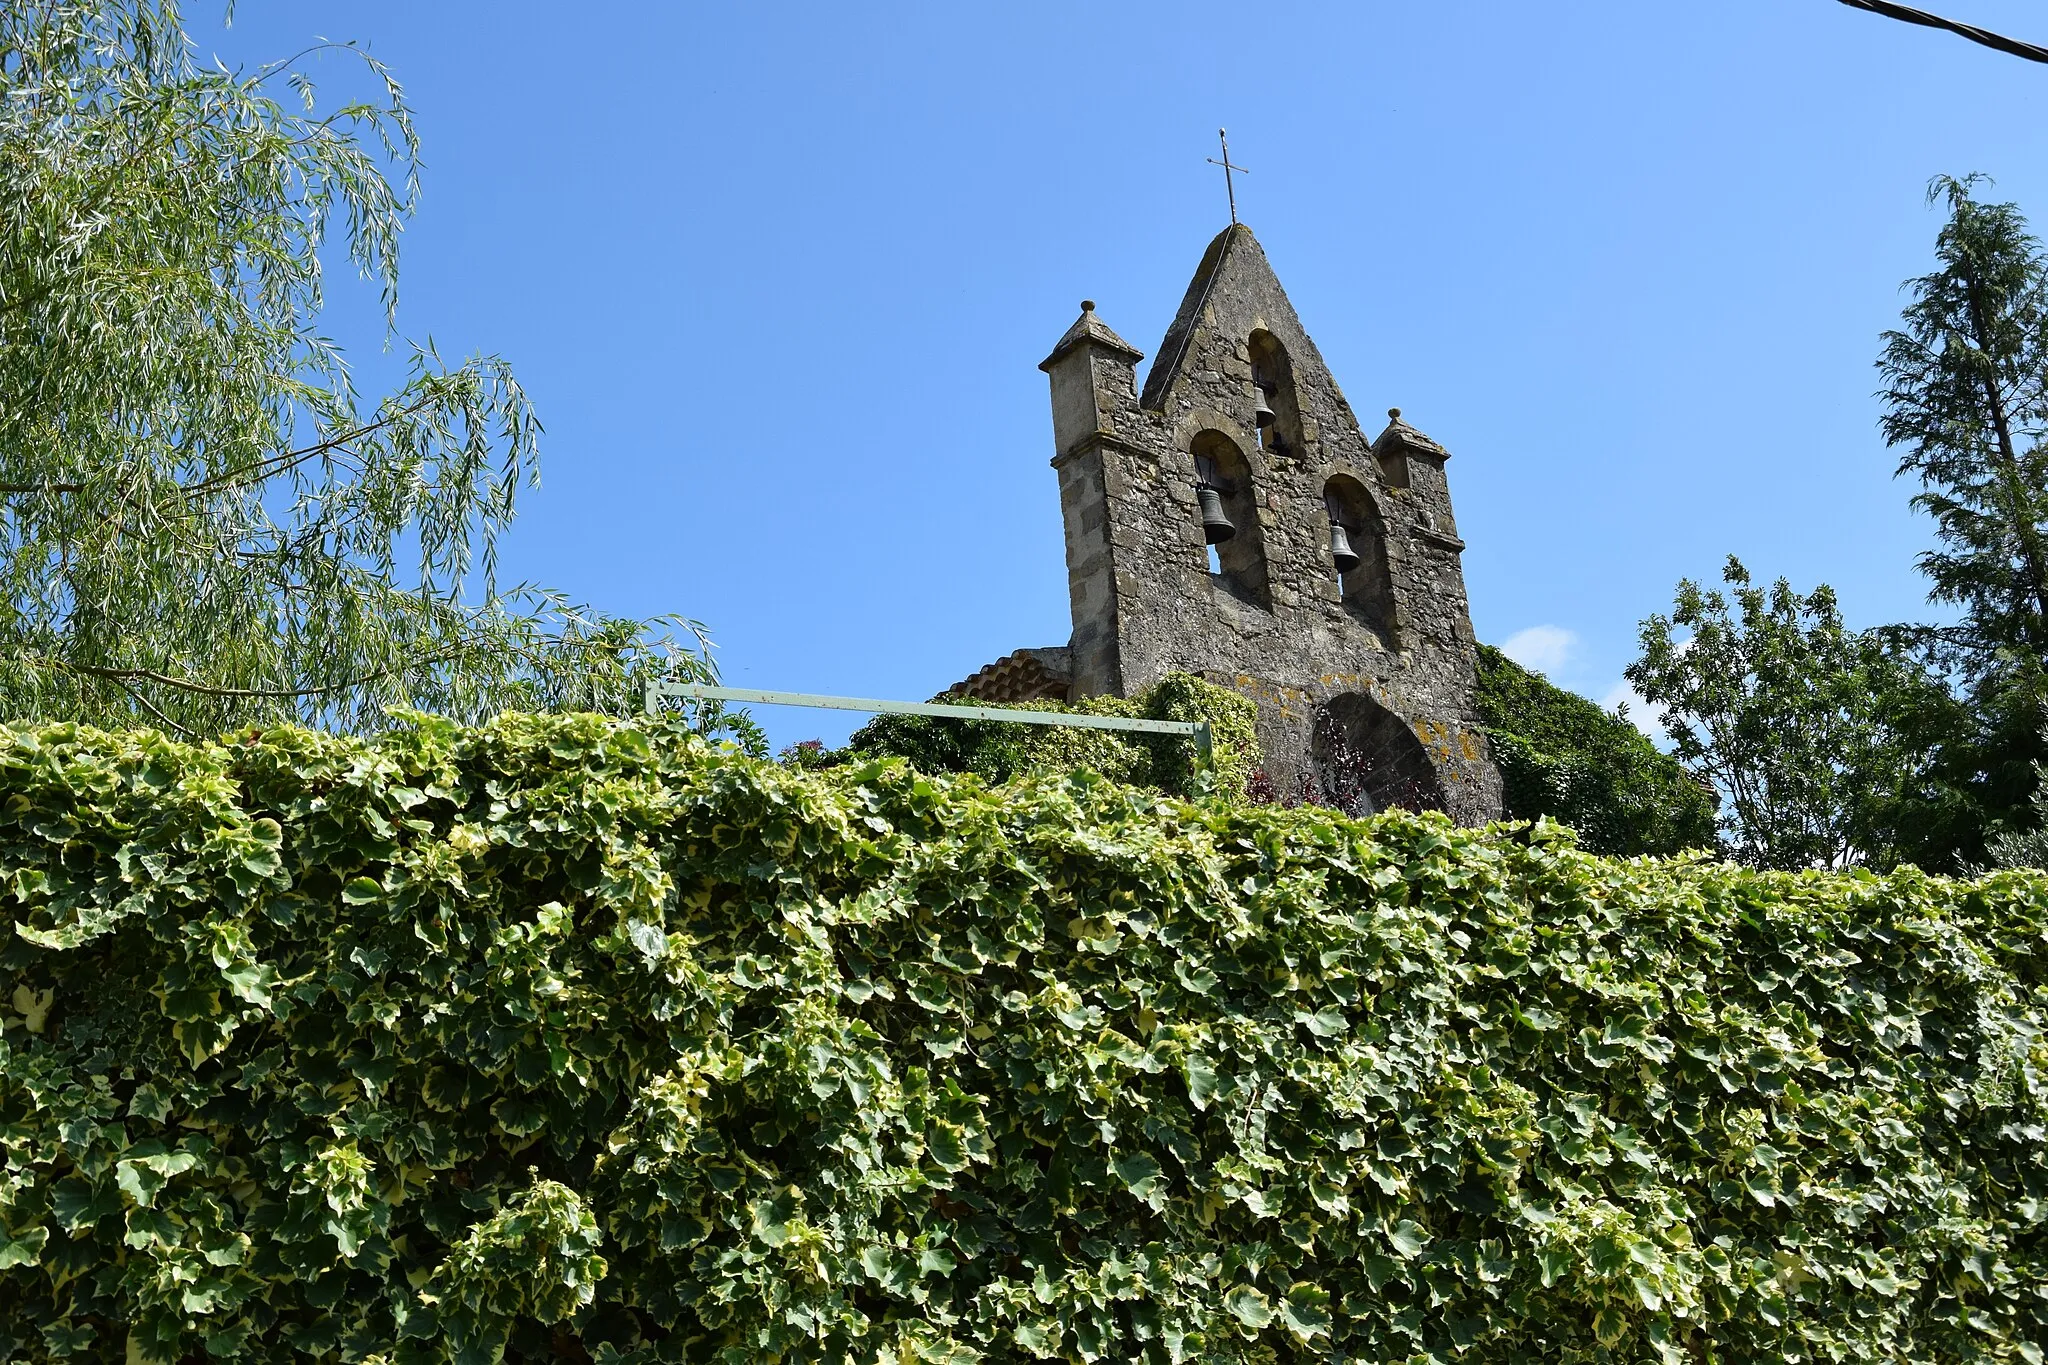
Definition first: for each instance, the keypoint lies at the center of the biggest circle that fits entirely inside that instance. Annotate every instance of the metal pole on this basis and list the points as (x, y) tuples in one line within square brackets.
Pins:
[(1228, 167), (1197, 730)]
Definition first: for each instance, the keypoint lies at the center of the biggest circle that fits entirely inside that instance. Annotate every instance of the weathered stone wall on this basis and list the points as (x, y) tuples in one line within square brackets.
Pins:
[(1280, 630)]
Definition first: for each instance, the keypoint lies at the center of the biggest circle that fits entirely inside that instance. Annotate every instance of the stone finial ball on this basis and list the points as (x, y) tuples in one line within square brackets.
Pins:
[(1394, 413), (1087, 305)]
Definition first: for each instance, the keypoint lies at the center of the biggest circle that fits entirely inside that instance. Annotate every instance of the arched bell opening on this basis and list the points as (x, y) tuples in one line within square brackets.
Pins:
[(1228, 506), (1276, 406), (1368, 759), (1357, 553)]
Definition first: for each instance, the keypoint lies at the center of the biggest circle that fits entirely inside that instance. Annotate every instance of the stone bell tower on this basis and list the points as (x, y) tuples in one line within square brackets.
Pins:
[(1232, 520)]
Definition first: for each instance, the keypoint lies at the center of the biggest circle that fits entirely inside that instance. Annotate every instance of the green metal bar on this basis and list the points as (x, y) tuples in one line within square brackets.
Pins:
[(1198, 730)]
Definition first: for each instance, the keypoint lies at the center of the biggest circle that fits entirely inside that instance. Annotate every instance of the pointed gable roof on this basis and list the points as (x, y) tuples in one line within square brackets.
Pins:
[(1233, 297), (1174, 348), (1234, 272)]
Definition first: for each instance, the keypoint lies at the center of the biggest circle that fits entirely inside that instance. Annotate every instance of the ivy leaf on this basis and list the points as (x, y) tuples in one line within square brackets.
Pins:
[(1328, 1022), (772, 1217), (945, 1142), (142, 1177), (22, 1248), (1306, 1311), (1140, 1174), (1039, 1337), (1201, 1079), (648, 939), (149, 1102), (1248, 1306), (79, 1204), (1407, 1239), (889, 1269)]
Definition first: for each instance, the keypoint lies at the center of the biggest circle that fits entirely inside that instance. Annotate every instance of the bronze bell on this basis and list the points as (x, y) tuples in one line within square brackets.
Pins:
[(1216, 527), (1262, 413), (1340, 548)]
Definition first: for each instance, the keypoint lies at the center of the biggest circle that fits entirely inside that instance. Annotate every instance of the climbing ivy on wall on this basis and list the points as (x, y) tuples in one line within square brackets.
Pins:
[(999, 750), (561, 1038), (1563, 757)]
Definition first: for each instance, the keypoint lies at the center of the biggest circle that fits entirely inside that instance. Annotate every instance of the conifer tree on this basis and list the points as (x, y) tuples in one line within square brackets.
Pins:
[(1966, 401), (1966, 404)]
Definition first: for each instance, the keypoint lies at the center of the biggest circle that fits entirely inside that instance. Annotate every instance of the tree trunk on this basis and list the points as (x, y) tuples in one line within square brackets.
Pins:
[(2024, 530)]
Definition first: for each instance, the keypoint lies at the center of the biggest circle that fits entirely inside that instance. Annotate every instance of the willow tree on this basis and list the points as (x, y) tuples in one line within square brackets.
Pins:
[(203, 524)]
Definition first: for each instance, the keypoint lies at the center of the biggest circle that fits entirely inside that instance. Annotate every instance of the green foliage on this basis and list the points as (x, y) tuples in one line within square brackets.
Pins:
[(1966, 404), (2027, 845), (202, 523), (999, 750), (1966, 398), (570, 1036), (1564, 758), (1796, 719)]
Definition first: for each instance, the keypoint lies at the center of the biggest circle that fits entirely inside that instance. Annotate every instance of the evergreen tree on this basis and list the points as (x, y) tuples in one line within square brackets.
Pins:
[(1966, 404), (202, 523)]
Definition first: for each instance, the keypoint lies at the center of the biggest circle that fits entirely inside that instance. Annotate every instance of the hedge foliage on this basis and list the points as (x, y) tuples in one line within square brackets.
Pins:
[(997, 751), (569, 1037), (1563, 757)]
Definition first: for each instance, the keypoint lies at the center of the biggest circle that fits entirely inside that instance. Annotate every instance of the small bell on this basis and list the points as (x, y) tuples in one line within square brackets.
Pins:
[(1262, 412), (1340, 548), (1216, 527)]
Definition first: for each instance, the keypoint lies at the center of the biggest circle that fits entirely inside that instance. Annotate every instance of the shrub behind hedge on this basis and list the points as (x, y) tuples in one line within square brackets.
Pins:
[(997, 751), (566, 1037), (1563, 757)]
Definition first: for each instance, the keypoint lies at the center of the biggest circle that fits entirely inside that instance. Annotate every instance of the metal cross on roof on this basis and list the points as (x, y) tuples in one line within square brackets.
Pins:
[(1228, 188)]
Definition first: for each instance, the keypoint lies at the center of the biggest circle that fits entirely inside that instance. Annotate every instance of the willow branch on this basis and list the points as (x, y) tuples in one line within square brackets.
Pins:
[(277, 464), (255, 470), (124, 676)]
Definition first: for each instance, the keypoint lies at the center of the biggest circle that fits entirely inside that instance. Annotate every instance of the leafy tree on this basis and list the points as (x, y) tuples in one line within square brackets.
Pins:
[(202, 523), (1966, 404), (1792, 716), (1563, 757)]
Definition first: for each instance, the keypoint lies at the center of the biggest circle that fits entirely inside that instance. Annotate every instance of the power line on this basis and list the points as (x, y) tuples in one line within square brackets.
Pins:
[(1976, 35)]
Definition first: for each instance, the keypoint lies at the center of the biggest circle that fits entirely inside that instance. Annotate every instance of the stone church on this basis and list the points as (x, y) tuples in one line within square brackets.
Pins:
[(1233, 521)]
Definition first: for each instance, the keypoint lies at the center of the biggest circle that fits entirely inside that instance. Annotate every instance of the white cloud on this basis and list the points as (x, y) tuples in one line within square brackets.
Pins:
[(1640, 713), (1542, 648)]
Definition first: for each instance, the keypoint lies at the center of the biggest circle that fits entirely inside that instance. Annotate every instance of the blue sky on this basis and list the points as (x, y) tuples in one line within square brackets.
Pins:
[(778, 278)]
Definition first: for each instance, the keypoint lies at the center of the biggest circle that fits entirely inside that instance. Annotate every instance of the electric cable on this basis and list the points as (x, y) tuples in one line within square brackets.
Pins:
[(1985, 36)]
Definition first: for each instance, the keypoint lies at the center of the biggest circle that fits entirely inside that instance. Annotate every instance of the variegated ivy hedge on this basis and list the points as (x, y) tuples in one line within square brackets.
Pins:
[(566, 1038)]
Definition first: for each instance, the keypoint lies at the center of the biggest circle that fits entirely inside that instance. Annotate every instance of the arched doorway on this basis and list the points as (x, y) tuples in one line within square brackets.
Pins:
[(1368, 759)]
